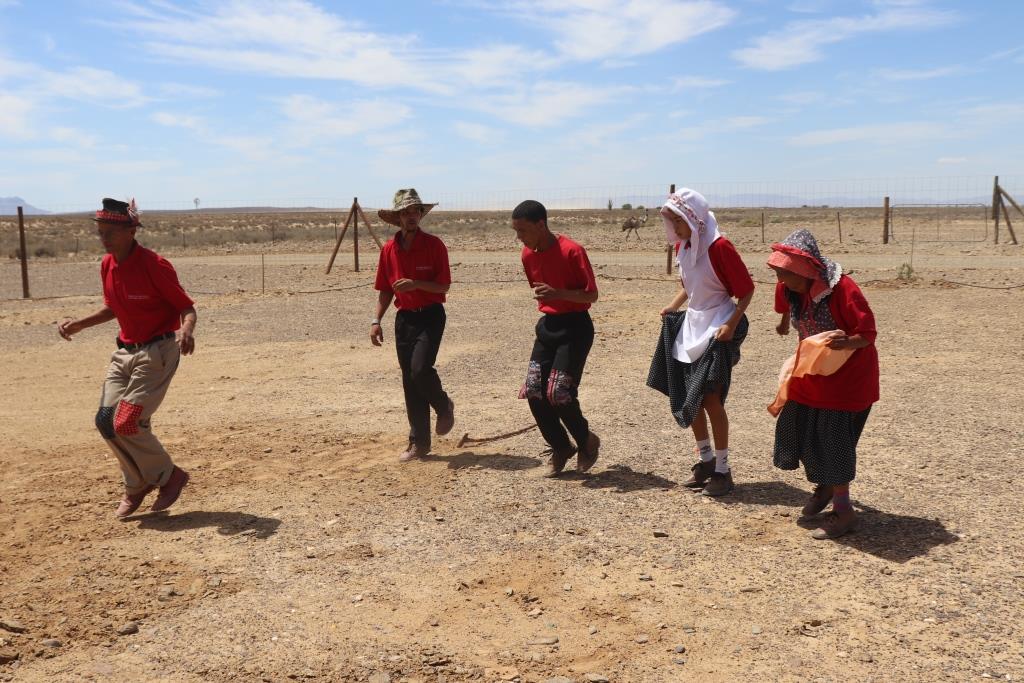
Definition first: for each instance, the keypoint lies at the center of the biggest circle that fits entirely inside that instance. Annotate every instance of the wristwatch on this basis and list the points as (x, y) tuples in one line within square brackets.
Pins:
[(375, 321)]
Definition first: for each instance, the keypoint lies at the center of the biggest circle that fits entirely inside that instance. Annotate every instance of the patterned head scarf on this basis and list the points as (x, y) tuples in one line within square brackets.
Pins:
[(692, 207), (799, 253), (122, 213)]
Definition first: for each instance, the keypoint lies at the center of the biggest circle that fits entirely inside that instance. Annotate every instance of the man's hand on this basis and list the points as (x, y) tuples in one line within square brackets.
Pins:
[(404, 285), (542, 291), (782, 328), (67, 328), (725, 332), (376, 334), (186, 342)]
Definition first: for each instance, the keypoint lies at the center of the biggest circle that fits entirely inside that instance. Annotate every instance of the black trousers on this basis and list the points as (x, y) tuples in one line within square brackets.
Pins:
[(417, 339), (563, 343)]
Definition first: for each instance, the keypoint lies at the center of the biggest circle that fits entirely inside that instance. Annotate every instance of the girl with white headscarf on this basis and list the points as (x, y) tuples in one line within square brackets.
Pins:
[(698, 374)]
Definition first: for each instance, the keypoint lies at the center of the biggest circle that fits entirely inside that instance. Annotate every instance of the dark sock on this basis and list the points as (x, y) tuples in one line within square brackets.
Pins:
[(841, 499)]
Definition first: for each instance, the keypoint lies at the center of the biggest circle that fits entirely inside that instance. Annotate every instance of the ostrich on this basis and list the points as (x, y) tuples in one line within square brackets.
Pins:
[(632, 225)]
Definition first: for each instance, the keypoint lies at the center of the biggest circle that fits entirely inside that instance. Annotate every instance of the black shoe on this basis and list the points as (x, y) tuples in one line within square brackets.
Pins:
[(819, 500), (702, 471), (719, 484)]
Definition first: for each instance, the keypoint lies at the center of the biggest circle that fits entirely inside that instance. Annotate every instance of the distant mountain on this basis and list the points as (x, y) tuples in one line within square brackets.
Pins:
[(9, 207)]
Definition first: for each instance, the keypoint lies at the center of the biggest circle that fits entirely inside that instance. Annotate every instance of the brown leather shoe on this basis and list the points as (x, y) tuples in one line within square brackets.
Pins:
[(702, 471), (131, 502), (718, 484), (414, 452), (558, 460), (835, 525), (170, 491), (818, 501), (588, 455), (445, 421)]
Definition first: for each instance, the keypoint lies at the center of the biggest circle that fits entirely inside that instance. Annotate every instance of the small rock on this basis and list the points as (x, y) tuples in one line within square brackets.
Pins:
[(435, 622), (535, 612), (214, 582), (679, 660), (886, 570), (268, 449), (866, 658), (379, 677), (689, 629), (679, 649), (546, 640), (357, 598), (678, 584), (592, 630), (642, 639), (660, 533), (166, 593), (8, 656), (756, 630), (438, 518), (596, 678), (559, 679), (50, 642), (567, 587), (310, 553), (128, 629), (646, 577), (509, 592), (12, 626)]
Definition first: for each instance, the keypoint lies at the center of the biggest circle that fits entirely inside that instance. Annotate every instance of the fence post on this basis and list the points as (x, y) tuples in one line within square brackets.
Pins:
[(668, 247), (24, 254), (839, 226), (762, 227), (996, 205), (355, 232), (263, 274), (885, 221)]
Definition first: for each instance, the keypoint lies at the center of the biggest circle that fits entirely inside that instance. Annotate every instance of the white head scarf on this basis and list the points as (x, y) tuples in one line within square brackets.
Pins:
[(691, 206)]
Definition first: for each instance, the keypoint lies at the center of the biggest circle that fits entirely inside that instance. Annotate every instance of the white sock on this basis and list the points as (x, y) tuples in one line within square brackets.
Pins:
[(704, 448), (722, 461)]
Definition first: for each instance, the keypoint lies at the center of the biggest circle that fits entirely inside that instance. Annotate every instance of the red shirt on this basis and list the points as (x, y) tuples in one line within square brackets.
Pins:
[(427, 259), (729, 267), (144, 293), (563, 265), (854, 386)]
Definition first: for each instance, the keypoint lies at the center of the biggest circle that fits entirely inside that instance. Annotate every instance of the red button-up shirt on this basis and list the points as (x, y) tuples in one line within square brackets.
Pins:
[(144, 293), (426, 259)]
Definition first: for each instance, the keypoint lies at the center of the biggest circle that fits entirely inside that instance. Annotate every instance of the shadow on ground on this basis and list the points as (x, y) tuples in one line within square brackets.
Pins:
[(896, 538), (494, 461), (623, 479), (227, 523)]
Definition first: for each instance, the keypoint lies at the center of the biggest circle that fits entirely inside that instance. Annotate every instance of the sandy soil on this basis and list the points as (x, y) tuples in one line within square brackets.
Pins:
[(304, 551)]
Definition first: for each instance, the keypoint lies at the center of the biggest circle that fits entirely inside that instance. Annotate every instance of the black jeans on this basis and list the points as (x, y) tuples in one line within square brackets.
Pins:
[(563, 343), (417, 339)]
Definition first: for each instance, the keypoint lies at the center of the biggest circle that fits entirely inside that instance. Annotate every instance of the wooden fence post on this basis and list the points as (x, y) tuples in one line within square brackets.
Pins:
[(839, 226), (355, 232), (762, 227), (997, 204), (24, 253), (885, 221)]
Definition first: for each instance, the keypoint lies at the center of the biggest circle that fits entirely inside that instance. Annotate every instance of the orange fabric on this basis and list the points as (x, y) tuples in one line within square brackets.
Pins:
[(812, 357)]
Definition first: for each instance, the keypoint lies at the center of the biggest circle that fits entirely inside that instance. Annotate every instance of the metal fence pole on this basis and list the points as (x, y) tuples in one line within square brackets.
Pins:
[(263, 274), (885, 221)]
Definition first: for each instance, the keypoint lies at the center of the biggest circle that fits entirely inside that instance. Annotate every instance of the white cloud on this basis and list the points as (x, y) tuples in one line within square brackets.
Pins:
[(183, 90), (882, 133), (697, 83), (995, 114), (918, 74), (802, 42), (73, 136), (545, 103), (944, 161), (588, 30), (178, 120), (15, 116), (312, 120), (477, 132), (600, 134), (804, 98)]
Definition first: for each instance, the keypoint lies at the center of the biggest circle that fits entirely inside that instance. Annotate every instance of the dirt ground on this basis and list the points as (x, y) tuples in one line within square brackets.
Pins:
[(302, 550)]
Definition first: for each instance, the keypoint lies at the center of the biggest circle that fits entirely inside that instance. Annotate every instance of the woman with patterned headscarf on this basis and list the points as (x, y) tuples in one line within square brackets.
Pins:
[(822, 420)]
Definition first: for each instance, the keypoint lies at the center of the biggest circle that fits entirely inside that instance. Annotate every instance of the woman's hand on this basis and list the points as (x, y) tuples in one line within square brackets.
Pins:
[(725, 332)]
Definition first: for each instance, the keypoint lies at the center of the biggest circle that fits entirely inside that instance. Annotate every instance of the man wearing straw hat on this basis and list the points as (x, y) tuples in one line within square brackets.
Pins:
[(413, 270), (157, 319)]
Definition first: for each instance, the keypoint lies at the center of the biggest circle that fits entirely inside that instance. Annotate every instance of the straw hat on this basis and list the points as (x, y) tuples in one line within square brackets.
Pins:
[(403, 200)]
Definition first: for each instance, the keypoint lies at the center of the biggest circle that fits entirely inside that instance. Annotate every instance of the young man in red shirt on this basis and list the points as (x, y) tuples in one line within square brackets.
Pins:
[(563, 284), (157, 320), (413, 270)]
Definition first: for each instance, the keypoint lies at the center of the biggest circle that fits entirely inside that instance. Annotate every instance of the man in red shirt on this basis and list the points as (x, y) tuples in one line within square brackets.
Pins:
[(413, 270), (563, 284), (157, 320)]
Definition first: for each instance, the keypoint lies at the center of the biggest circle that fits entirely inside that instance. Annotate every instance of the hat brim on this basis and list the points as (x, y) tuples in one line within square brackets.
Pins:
[(391, 215)]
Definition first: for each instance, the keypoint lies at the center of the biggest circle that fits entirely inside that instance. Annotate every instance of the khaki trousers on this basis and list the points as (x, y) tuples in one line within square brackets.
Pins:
[(135, 387)]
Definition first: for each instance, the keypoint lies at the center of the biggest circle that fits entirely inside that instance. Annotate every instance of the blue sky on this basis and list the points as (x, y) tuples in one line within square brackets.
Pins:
[(283, 100)]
